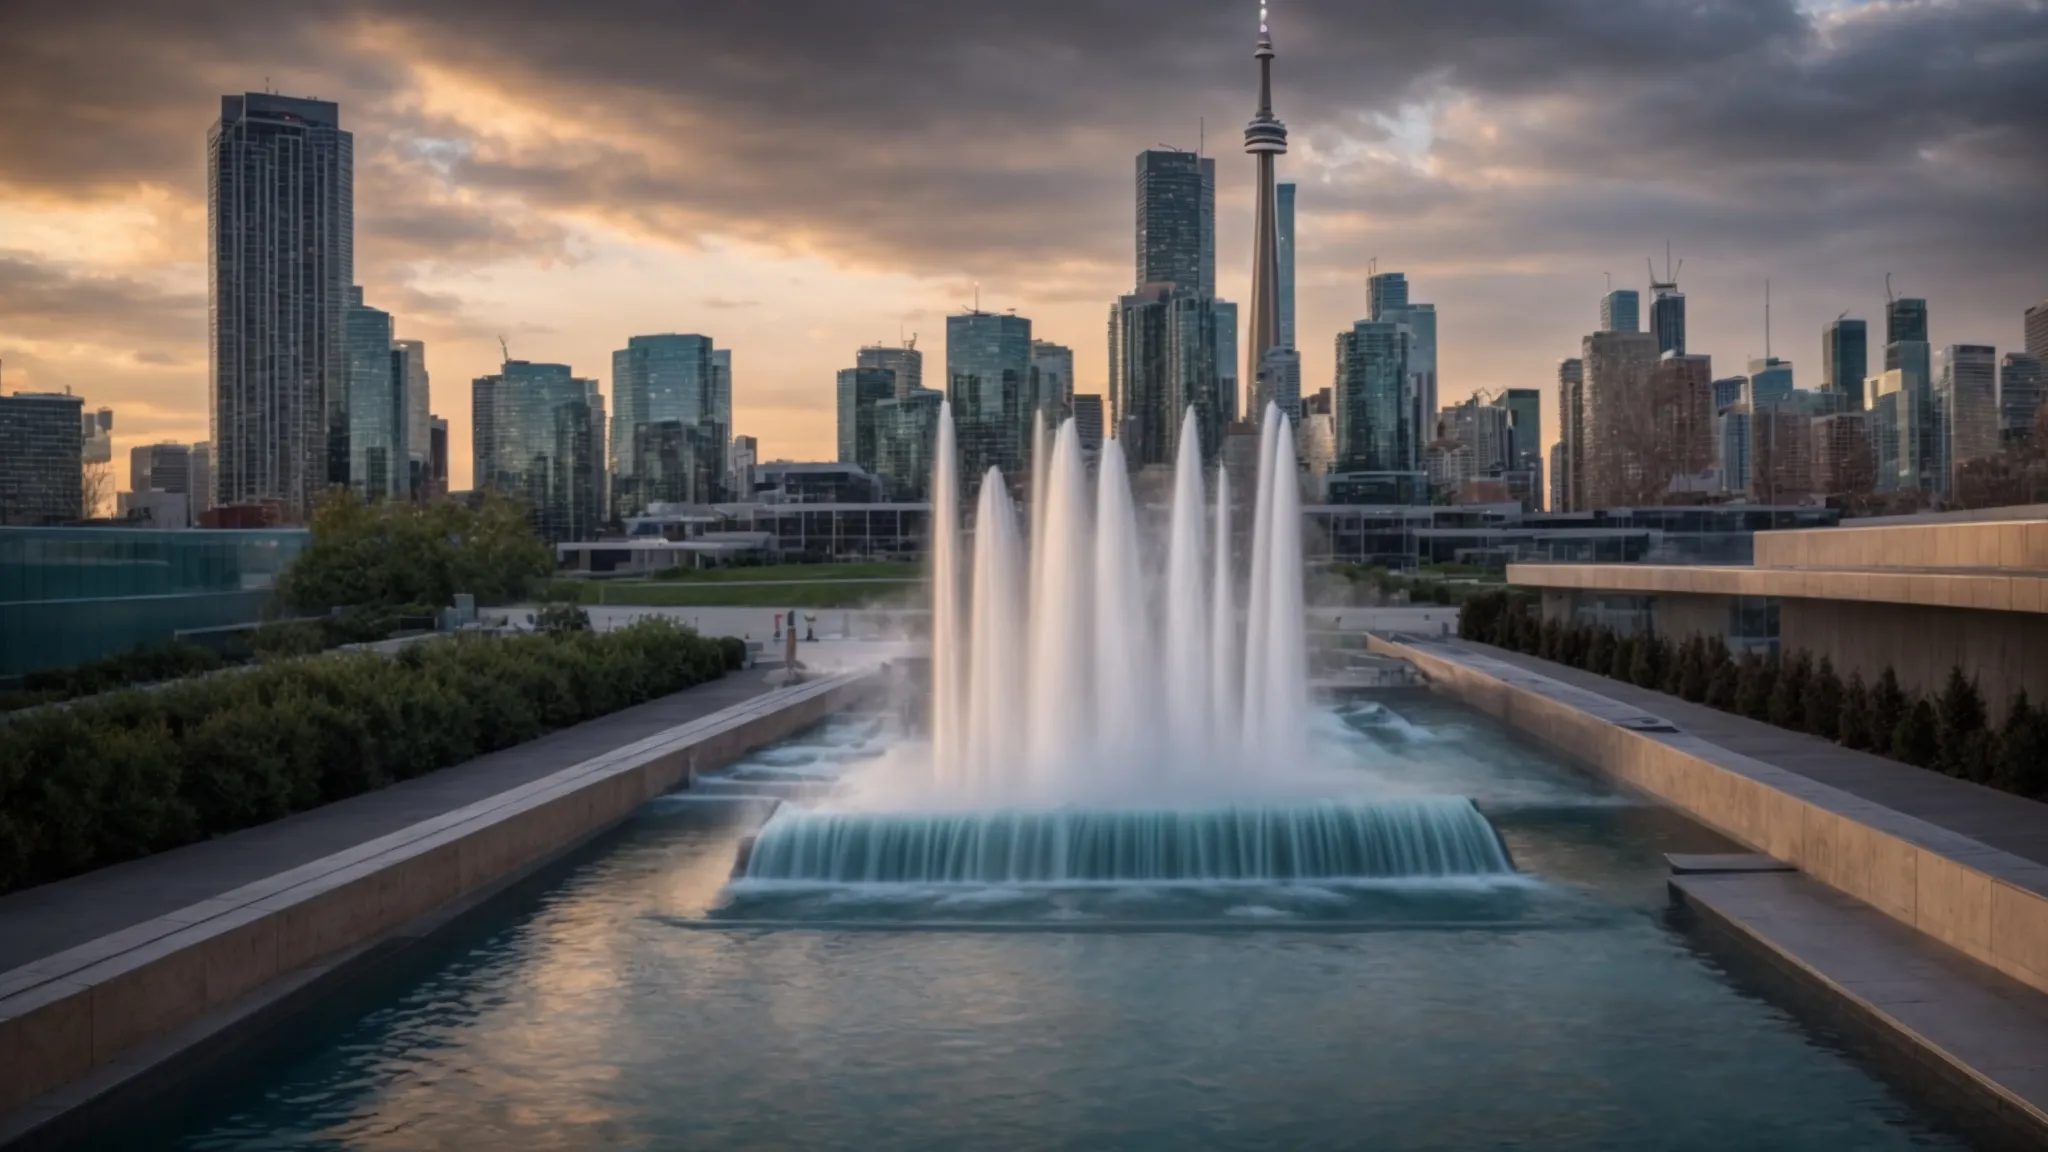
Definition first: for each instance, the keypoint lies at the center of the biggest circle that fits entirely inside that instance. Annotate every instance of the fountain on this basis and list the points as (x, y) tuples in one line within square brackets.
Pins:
[(1093, 723)]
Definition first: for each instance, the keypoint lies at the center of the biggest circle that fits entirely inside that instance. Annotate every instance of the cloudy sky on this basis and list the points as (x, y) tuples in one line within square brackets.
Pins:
[(798, 177)]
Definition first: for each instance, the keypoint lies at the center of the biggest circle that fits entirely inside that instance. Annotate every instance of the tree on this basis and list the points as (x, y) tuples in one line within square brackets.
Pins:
[(96, 488), (1646, 666), (1853, 728), (2022, 755), (1624, 658), (1959, 712), (1787, 706), (1917, 739), (1724, 686), (1694, 671), (1821, 703), (1754, 679), (391, 554), (1888, 705), (1600, 652)]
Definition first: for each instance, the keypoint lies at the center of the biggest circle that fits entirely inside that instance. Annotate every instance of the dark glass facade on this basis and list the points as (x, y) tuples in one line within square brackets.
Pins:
[(42, 479), (1176, 240), (1845, 362), (537, 438), (908, 430), (1370, 400), (988, 382), (860, 391), (1163, 361), (669, 380)]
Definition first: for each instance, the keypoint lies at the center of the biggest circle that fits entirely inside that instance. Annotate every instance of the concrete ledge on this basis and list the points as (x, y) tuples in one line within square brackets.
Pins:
[(67, 1014), (1983, 590), (1988, 904)]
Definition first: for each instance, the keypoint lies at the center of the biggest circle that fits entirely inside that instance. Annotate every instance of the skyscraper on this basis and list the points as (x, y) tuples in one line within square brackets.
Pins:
[(201, 494), (1905, 320), (536, 438), (1730, 391), (1375, 426), (1386, 292), (1052, 373), (666, 436), (1770, 381), (1226, 358), (42, 478), (2036, 330), (1966, 391), (1560, 466), (2019, 397), (1842, 461), (281, 257), (1283, 380), (860, 390), (718, 438), (1914, 416), (906, 434), (1844, 363), (162, 468), (1177, 220), (1621, 311), (1285, 193), (1667, 318), (1525, 421), (1265, 138), (988, 380), (1620, 420), (419, 409), (1571, 432), (379, 462), (906, 362), (740, 458), (1088, 420), (1162, 363), (437, 458)]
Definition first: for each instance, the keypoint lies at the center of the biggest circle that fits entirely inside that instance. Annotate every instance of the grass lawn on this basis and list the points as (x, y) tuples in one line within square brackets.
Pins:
[(713, 595), (782, 572)]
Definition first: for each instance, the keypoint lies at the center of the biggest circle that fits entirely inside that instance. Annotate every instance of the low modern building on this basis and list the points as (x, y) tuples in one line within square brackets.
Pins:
[(1918, 595), (69, 595)]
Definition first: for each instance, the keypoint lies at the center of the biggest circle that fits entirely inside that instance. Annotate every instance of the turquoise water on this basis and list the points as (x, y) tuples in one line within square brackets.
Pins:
[(634, 998)]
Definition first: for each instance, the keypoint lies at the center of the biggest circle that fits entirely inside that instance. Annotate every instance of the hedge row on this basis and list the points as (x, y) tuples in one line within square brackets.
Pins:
[(1947, 732), (129, 773)]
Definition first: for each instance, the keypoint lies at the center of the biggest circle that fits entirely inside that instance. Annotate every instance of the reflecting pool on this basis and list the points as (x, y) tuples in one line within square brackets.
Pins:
[(636, 997)]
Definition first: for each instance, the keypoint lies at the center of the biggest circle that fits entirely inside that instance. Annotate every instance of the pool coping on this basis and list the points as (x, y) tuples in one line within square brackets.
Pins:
[(84, 1009)]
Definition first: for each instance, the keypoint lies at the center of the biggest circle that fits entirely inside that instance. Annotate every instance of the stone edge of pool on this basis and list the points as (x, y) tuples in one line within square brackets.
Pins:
[(1906, 870), (66, 1016)]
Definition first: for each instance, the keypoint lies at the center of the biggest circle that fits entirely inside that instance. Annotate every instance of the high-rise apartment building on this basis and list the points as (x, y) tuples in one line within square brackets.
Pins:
[(1162, 363), (201, 494), (1845, 363), (721, 412), (1902, 430), (281, 258), (1285, 196), (1390, 302), (1620, 420), (860, 391), (1966, 397), (1905, 322), (1484, 427), (1571, 432), (1681, 446), (1731, 447), (1226, 359), (1781, 453), (437, 459), (2036, 331), (1176, 237), (906, 362), (1525, 420), (1088, 424), (42, 471), (1560, 467), (667, 442), (411, 371), (988, 382), (2019, 397), (907, 432), (1386, 292), (1375, 425), (1770, 381), (1282, 371), (166, 468), (1667, 318), (1843, 464), (742, 456), (537, 436), (378, 463), (1052, 375), (1621, 311)]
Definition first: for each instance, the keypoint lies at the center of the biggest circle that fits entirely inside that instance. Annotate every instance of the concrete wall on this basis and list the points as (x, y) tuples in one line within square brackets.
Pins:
[(64, 1016), (1681, 617), (2014, 545), (1987, 904), (2005, 651)]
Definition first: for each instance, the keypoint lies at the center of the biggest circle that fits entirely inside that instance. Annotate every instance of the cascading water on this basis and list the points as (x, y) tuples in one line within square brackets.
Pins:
[(1090, 717), (1436, 837)]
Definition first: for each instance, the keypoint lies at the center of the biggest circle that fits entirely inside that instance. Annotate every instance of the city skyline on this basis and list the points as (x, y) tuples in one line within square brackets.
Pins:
[(470, 226)]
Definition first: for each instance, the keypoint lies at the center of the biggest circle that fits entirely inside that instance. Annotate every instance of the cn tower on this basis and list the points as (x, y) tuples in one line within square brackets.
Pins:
[(1265, 137)]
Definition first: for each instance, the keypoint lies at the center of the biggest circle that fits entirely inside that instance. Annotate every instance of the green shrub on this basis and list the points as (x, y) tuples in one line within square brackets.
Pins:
[(132, 772), (146, 664), (1820, 705), (2021, 764), (1600, 651), (1959, 717), (1888, 706), (1854, 727), (1646, 665), (1754, 679), (1787, 705), (1917, 739)]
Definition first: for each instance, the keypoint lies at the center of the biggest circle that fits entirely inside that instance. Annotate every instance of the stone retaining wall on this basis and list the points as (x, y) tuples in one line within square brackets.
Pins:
[(1982, 901), (65, 1015)]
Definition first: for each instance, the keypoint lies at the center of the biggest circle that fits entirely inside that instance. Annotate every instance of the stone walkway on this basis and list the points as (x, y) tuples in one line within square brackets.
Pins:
[(1999, 819), (40, 922)]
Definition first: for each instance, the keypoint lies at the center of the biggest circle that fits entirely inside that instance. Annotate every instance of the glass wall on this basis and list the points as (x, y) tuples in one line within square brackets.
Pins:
[(69, 595)]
